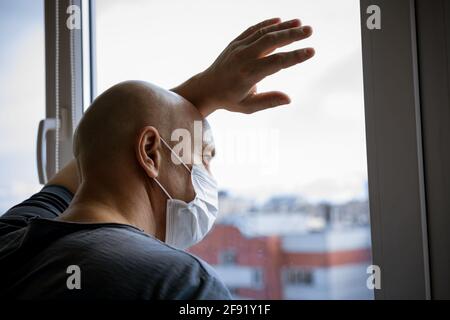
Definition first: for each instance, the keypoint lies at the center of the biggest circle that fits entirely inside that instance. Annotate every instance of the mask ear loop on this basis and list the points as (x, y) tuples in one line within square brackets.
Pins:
[(179, 159), (162, 188)]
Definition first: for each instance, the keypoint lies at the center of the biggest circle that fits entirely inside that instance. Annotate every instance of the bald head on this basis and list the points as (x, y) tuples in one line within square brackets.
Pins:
[(109, 129), (122, 161)]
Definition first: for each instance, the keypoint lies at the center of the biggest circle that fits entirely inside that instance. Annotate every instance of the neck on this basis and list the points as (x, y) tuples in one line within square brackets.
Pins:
[(113, 203)]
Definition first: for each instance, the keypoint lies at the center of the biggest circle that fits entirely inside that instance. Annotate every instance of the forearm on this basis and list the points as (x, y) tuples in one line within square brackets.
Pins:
[(195, 90), (67, 177)]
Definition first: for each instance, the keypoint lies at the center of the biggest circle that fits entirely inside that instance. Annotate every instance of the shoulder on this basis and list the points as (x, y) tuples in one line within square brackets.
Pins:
[(159, 271), (182, 275), (189, 277)]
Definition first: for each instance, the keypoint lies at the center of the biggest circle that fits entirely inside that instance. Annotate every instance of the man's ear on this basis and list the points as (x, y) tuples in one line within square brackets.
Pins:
[(147, 150)]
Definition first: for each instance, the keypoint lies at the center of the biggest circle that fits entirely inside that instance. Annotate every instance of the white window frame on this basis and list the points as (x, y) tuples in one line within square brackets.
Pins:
[(407, 86), (70, 82)]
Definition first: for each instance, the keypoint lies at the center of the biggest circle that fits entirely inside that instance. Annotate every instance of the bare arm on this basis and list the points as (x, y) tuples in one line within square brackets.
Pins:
[(67, 177)]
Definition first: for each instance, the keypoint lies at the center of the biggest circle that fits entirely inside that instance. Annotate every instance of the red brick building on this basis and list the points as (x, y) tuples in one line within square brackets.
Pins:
[(330, 264)]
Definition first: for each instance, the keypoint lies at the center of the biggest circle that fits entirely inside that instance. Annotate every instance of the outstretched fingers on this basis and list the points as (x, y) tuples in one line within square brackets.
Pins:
[(271, 28), (266, 66), (256, 27), (265, 100), (276, 39)]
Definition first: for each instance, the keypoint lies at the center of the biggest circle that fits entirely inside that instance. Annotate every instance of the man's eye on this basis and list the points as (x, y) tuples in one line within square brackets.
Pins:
[(207, 157)]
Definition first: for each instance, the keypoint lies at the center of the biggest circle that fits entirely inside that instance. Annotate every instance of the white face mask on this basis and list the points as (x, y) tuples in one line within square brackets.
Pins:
[(188, 223)]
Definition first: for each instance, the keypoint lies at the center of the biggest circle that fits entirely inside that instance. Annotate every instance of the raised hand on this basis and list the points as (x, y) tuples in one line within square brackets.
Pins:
[(230, 82)]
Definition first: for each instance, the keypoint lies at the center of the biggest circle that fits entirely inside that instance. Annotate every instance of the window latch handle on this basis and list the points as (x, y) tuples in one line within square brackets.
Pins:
[(45, 126)]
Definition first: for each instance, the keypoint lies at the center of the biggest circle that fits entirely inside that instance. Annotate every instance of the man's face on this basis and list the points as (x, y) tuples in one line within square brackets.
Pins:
[(193, 143)]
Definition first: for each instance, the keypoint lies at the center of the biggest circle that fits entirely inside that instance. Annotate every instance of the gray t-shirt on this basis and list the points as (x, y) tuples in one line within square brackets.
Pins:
[(43, 258)]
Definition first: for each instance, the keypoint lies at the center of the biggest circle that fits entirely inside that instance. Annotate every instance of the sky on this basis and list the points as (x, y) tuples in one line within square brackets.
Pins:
[(315, 147), (22, 97)]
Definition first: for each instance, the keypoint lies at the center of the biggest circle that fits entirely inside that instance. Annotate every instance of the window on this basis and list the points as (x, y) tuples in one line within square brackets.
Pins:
[(227, 257), (22, 97), (294, 180), (258, 278), (298, 276)]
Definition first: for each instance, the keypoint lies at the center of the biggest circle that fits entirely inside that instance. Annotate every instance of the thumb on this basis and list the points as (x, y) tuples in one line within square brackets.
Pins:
[(265, 100)]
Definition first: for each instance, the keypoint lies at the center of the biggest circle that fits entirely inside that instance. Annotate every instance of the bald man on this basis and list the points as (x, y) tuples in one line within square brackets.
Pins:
[(115, 221)]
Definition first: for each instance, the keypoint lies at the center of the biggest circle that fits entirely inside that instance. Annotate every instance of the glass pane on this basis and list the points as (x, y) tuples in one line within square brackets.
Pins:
[(22, 97), (294, 220)]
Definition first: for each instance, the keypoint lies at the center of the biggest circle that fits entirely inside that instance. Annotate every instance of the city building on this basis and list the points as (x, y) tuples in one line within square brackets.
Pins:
[(289, 256)]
